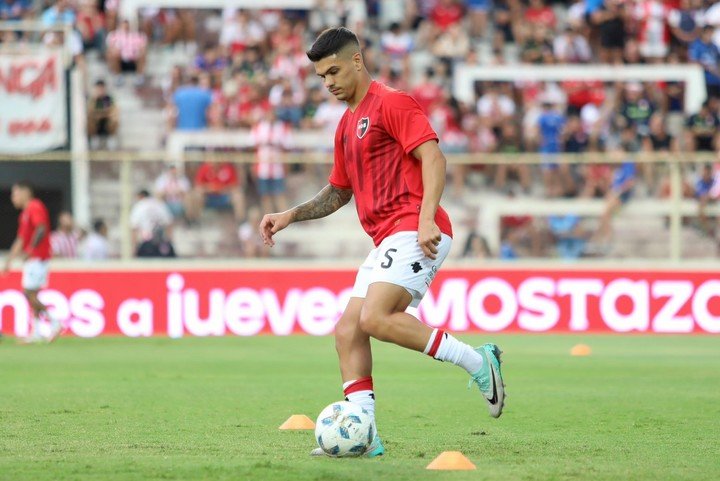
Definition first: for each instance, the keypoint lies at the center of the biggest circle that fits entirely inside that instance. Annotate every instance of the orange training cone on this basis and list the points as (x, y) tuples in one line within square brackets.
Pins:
[(451, 460), (298, 421), (580, 350)]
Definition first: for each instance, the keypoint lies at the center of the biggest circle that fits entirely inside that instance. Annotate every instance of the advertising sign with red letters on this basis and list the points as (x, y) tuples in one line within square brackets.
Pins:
[(32, 96), (179, 303)]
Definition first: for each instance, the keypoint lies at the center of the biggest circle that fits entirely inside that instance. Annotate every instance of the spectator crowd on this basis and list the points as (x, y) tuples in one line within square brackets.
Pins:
[(250, 72)]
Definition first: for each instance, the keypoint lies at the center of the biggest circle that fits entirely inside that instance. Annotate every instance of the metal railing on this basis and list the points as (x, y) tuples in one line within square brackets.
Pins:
[(674, 207)]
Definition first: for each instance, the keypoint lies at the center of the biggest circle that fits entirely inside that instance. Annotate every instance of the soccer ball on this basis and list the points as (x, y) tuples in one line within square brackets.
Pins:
[(344, 429)]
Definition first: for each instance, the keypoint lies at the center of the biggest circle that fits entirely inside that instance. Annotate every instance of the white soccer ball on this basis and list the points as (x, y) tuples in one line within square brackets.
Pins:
[(344, 429)]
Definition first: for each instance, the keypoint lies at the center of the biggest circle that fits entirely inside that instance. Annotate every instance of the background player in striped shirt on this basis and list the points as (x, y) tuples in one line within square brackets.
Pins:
[(271, 138), (387, 156), (32, 245)]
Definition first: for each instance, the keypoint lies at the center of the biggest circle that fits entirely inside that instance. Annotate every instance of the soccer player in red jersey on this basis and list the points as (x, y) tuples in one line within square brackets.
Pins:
[(387, 156), (33, 246)]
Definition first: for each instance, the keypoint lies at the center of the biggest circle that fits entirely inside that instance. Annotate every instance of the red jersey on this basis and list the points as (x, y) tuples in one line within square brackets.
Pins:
[(427, 94), (373, 148), (543, 15), (216, 178), (445, 16), (34, 215)]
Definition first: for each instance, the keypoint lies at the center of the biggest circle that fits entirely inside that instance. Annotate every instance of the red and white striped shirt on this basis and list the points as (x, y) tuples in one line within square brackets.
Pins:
[(64, 244), (652, 15), (291, 65), (271, 139), (130, 44)]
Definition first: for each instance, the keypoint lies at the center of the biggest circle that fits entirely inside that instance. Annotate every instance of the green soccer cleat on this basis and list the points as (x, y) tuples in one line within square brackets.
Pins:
[(489, 379), (375, 449)]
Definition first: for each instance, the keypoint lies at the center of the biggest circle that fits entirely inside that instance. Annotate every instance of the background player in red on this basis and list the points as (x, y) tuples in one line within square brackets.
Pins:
[(32, 245), (387, 155)]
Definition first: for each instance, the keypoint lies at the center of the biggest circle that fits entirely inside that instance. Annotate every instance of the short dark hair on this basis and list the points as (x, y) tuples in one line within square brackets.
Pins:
[(98, 224), (143, 193), (331, 41), (26, 184)]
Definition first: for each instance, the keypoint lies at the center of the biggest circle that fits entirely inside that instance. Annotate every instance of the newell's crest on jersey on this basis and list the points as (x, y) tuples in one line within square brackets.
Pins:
[(363, 127)]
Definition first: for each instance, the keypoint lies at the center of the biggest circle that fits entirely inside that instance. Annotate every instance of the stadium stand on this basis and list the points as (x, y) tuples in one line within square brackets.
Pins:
[(206, 82)]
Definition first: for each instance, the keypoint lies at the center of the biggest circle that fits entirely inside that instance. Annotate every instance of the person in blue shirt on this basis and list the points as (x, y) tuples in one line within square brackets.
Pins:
[(707, 54), (211, 61), (14, 10), (569, 235), (623, 181), (507, 251), (59, 14), (704, 193), (705, 182), (191, 105), (621, 188), (550, 126), (592, 5)]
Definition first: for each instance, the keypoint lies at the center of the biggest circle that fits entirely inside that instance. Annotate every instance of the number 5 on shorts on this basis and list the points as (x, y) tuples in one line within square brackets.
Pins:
[(389, 261)]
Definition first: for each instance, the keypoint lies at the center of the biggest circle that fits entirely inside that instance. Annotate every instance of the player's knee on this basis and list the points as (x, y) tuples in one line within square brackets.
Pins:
[(344, 334), (371, 323)]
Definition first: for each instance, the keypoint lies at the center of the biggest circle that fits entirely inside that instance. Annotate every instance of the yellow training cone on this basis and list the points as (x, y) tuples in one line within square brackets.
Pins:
[(451, 460), (580, 350), (298, 421)]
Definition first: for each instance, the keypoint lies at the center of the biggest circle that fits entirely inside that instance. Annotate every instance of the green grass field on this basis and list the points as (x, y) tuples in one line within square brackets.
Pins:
[(639, 408)]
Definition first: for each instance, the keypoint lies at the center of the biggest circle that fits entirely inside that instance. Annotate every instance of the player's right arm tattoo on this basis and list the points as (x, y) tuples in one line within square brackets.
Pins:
[(327, 201)]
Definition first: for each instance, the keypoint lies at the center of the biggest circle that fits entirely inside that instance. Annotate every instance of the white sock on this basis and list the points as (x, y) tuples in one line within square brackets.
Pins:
[(35, 332), (54, 321), (444, 347), (360, 391)]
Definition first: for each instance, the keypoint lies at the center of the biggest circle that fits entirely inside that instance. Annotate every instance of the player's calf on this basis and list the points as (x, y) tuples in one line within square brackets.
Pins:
[(345, 333), (383, 317)]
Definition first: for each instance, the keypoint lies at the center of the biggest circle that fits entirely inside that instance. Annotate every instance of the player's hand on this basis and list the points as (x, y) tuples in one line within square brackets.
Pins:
[(272, 223), (429, 237)]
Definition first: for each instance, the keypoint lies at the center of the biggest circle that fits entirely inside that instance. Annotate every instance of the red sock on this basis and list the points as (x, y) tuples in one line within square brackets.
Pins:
[(360, 391), (434, 342), (444, 347)]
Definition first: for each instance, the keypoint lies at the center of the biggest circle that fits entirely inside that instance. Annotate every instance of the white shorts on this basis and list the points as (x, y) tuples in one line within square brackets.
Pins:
[(399, 260), (35, 274), (654, 50)]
